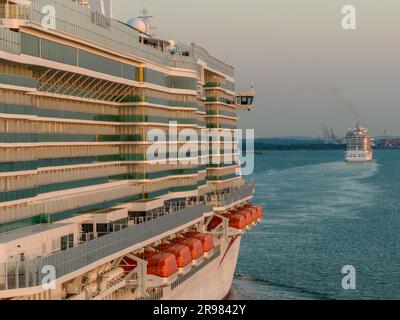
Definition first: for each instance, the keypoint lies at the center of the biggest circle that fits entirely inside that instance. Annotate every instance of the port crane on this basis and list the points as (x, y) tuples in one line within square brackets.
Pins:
[(329, 136)]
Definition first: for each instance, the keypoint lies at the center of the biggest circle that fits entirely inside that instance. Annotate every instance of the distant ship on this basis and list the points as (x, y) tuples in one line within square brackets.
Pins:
[(359, 145)]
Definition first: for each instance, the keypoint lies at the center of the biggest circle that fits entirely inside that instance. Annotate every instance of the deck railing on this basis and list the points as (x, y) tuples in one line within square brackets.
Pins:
[(13, 11), (233, 196)]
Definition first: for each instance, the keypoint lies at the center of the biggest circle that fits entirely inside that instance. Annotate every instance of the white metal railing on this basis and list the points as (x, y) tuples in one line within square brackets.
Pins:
[(13, 11), (232, 196)]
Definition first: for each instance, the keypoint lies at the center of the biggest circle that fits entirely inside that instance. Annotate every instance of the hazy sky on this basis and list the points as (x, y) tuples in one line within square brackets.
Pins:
[(308, 71)]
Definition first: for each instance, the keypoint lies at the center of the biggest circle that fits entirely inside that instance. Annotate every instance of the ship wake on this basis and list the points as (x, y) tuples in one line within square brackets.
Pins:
[(321, 190)]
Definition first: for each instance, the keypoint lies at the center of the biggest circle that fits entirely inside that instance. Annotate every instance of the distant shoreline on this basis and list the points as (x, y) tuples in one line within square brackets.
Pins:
[(299, 147), (264, 145)]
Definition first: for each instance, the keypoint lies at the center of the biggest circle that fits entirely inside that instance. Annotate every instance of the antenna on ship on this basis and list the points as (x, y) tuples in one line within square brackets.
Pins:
[(147, 19), (253, 88)]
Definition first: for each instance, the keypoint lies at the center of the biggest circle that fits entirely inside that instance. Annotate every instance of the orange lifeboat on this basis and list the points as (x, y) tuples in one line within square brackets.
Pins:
[(246, 214), (181, 253), (161, 264), (252, 211), (206, 239), (236, 221), (259, 212), (195, 246)]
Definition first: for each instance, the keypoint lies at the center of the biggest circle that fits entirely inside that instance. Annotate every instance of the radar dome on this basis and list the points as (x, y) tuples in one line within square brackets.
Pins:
[(138, 24)]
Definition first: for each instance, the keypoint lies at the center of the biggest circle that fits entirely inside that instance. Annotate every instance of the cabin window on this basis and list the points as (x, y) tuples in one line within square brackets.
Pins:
[(67, 242)]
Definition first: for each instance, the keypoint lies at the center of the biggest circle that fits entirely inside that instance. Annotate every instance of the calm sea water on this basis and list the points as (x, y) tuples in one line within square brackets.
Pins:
[(320, 215)]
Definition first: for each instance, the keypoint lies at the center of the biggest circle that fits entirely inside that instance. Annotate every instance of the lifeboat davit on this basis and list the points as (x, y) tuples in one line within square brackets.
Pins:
[(128, 264), (181, 253), (207, 241), (195, 247), (214, 223)]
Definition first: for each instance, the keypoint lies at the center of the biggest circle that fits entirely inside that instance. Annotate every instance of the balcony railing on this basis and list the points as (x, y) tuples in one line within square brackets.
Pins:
[(233, 196), (13, 11)]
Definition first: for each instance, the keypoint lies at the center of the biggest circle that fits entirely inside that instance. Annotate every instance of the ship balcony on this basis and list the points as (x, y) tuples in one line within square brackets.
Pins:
[(14, 14), (222, 201)]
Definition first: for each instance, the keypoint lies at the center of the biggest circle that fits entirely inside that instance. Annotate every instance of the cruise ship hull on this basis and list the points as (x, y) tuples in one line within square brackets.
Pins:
[(358, 157)]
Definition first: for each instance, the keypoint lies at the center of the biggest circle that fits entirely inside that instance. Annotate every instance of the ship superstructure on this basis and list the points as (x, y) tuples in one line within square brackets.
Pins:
[(359, 145), (86, 210)]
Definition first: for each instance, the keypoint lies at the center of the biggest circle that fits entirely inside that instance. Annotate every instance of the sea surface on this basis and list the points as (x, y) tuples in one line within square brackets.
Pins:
[(322, 214)]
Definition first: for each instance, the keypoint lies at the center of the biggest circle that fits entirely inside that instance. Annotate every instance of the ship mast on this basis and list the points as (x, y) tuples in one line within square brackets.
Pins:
[(147, 19)]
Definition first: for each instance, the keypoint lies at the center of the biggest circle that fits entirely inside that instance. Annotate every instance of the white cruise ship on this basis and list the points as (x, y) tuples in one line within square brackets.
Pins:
[(359, 145), (86, 212)]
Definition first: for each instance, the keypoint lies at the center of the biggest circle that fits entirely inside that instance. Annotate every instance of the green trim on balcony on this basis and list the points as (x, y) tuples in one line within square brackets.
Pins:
[(212, 85), (122, 157), (160, 101), (122, 138), (218, 99), (44, 163), (16, 80), (222, 178), (221, 113)]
